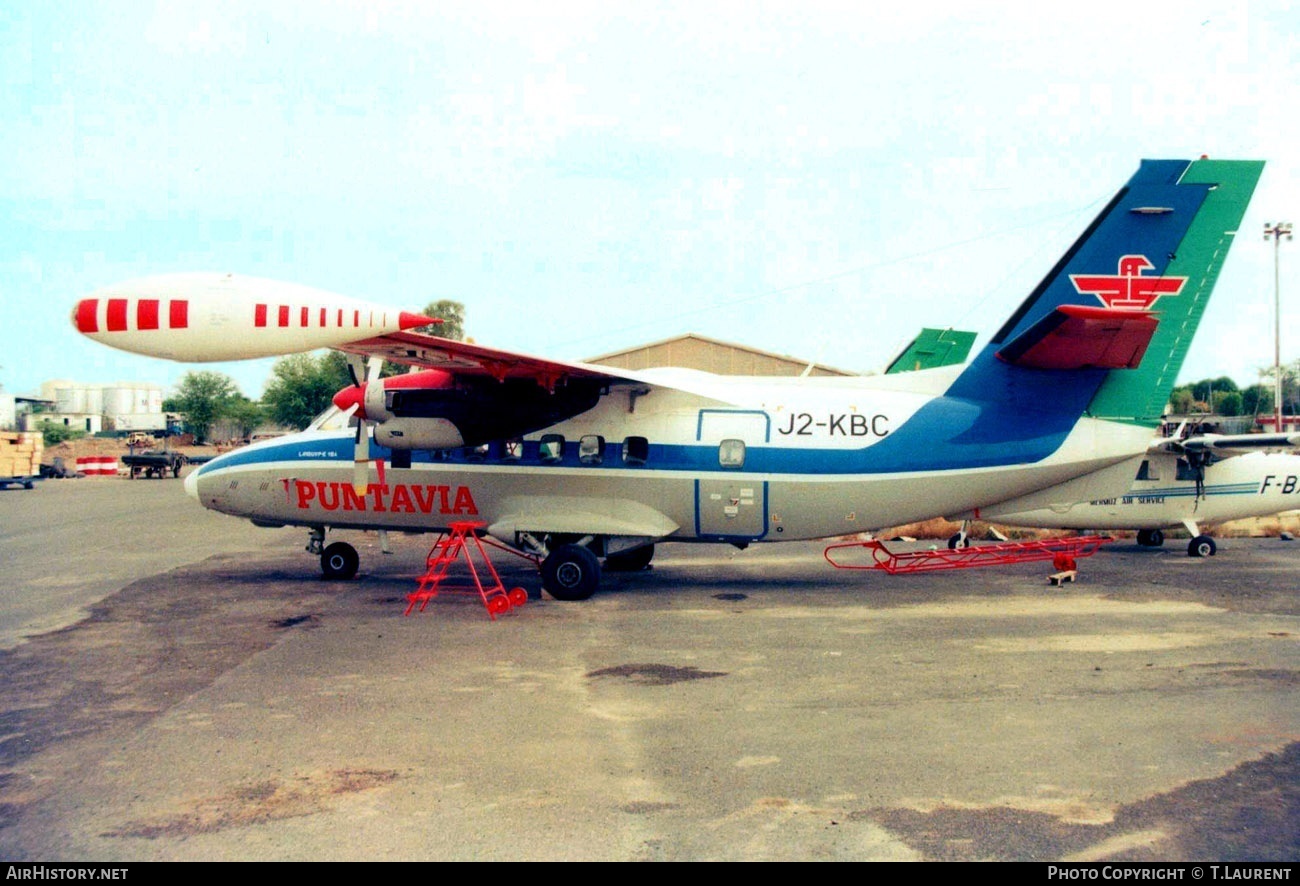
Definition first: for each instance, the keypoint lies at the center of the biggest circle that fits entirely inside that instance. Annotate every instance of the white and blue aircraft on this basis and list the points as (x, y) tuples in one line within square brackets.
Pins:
[(1187, 481), (573, 463)]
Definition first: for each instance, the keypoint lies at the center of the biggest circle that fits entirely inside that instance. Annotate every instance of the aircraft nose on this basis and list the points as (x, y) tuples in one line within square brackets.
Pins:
[(192, 485), (352, 395)]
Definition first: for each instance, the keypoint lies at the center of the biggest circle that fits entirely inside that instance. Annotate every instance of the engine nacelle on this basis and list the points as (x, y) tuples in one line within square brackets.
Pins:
[(432, 410), (418, 433)]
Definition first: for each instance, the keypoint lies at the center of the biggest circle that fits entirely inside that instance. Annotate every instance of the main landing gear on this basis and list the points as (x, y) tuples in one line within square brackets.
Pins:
[(1150, 538), (571, 572), (571, 566), (1199, 546)]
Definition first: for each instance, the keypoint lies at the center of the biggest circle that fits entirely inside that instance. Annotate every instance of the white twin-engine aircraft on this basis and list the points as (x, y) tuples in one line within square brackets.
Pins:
[(574, 463), (1188, 481)]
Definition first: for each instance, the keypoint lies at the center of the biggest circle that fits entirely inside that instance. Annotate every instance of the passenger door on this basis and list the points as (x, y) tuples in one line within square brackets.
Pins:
[(727, 508)]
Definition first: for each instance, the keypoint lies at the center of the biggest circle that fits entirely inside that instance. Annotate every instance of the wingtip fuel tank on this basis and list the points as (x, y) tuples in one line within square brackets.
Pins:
[(209, 317)]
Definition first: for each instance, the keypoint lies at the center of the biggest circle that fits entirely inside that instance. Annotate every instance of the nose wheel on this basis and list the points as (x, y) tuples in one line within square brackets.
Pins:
[(339, 561)]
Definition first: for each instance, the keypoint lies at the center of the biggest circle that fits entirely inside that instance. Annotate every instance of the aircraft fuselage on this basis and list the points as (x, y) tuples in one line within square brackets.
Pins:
[(749, 460)]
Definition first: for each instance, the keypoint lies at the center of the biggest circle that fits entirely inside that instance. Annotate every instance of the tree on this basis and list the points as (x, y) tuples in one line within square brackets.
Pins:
[(302, 386), (1227, 403), (1256, 399), (1205, 389), (202, 397), (244, 414), (1181, 400), (452, 314)]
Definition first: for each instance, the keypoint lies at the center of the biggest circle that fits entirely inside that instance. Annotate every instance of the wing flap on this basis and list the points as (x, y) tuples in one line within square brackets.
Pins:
[(1083, 337)]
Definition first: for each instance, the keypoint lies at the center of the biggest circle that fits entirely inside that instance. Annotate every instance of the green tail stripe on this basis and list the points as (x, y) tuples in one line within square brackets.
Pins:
[(1139, 396)]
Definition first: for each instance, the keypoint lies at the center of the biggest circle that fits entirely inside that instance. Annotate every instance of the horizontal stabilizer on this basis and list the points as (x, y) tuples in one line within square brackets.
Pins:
[(933, 348), (1083, 337)]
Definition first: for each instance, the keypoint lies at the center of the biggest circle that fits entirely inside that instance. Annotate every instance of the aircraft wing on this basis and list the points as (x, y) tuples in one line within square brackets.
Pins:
[(1225, 445), (473, 360)]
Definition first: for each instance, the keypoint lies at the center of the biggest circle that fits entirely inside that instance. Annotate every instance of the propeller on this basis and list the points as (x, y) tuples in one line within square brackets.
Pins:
[(361, 450)]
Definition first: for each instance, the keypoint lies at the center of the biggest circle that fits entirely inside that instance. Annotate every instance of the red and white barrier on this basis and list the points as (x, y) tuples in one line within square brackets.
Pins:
[(97, 466)]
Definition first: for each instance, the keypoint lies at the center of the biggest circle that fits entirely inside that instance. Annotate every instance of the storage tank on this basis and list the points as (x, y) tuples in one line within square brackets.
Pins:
[(118, 400), (70, 400), (94, 400)]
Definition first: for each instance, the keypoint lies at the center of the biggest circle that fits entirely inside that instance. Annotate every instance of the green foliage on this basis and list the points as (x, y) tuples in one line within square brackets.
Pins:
[(246, 414), (302, 386), (1256, 399), (203, 397), (1181, 401), (58, 433), (1227, 403), (1204, 389), (452, 314)]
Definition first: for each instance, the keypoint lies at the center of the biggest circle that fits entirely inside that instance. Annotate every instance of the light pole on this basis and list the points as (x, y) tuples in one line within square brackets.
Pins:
[(1276, 232)]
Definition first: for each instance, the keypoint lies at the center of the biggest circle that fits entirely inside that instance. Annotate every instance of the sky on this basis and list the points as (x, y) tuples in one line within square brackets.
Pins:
[(808, 178)]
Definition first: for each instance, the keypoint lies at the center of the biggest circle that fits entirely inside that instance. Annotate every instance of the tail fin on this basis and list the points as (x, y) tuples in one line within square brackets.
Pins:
[(1157, 246), (1140, 396)]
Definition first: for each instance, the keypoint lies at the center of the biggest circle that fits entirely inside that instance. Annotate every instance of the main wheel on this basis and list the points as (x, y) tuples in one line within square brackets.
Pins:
[(1151, 538), (339, 561), (958, 540), (571, 572), (1201, 546), (630, 561)]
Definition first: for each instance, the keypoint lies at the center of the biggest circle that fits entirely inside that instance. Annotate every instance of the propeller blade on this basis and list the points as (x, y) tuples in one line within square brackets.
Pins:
[(361, 461), (361, 457)]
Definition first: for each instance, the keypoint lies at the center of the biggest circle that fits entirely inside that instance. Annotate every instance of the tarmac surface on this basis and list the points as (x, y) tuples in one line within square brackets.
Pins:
[(226, 703)]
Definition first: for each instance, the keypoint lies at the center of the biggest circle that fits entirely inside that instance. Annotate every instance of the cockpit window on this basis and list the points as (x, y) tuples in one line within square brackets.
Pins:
[(332, 419)]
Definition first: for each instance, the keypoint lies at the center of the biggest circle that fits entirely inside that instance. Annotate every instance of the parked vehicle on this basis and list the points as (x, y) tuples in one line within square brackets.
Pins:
[(155, 463)]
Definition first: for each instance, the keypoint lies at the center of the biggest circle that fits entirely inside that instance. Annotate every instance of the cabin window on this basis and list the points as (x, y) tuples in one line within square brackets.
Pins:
[(551, 449), (512, 450), (477, 453), (731, 453), (1185, 470), (636, 450), (591, 449)]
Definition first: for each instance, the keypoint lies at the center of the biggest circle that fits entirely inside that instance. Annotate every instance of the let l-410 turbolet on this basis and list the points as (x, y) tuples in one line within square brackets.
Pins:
[(576, 463)]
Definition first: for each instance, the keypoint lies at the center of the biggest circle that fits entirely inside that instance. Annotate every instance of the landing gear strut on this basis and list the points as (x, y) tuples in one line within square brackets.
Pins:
[(961, 539)]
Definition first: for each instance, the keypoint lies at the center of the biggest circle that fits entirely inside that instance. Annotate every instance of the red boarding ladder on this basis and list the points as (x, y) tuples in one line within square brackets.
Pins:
[(1061, 551), (449, 548)]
